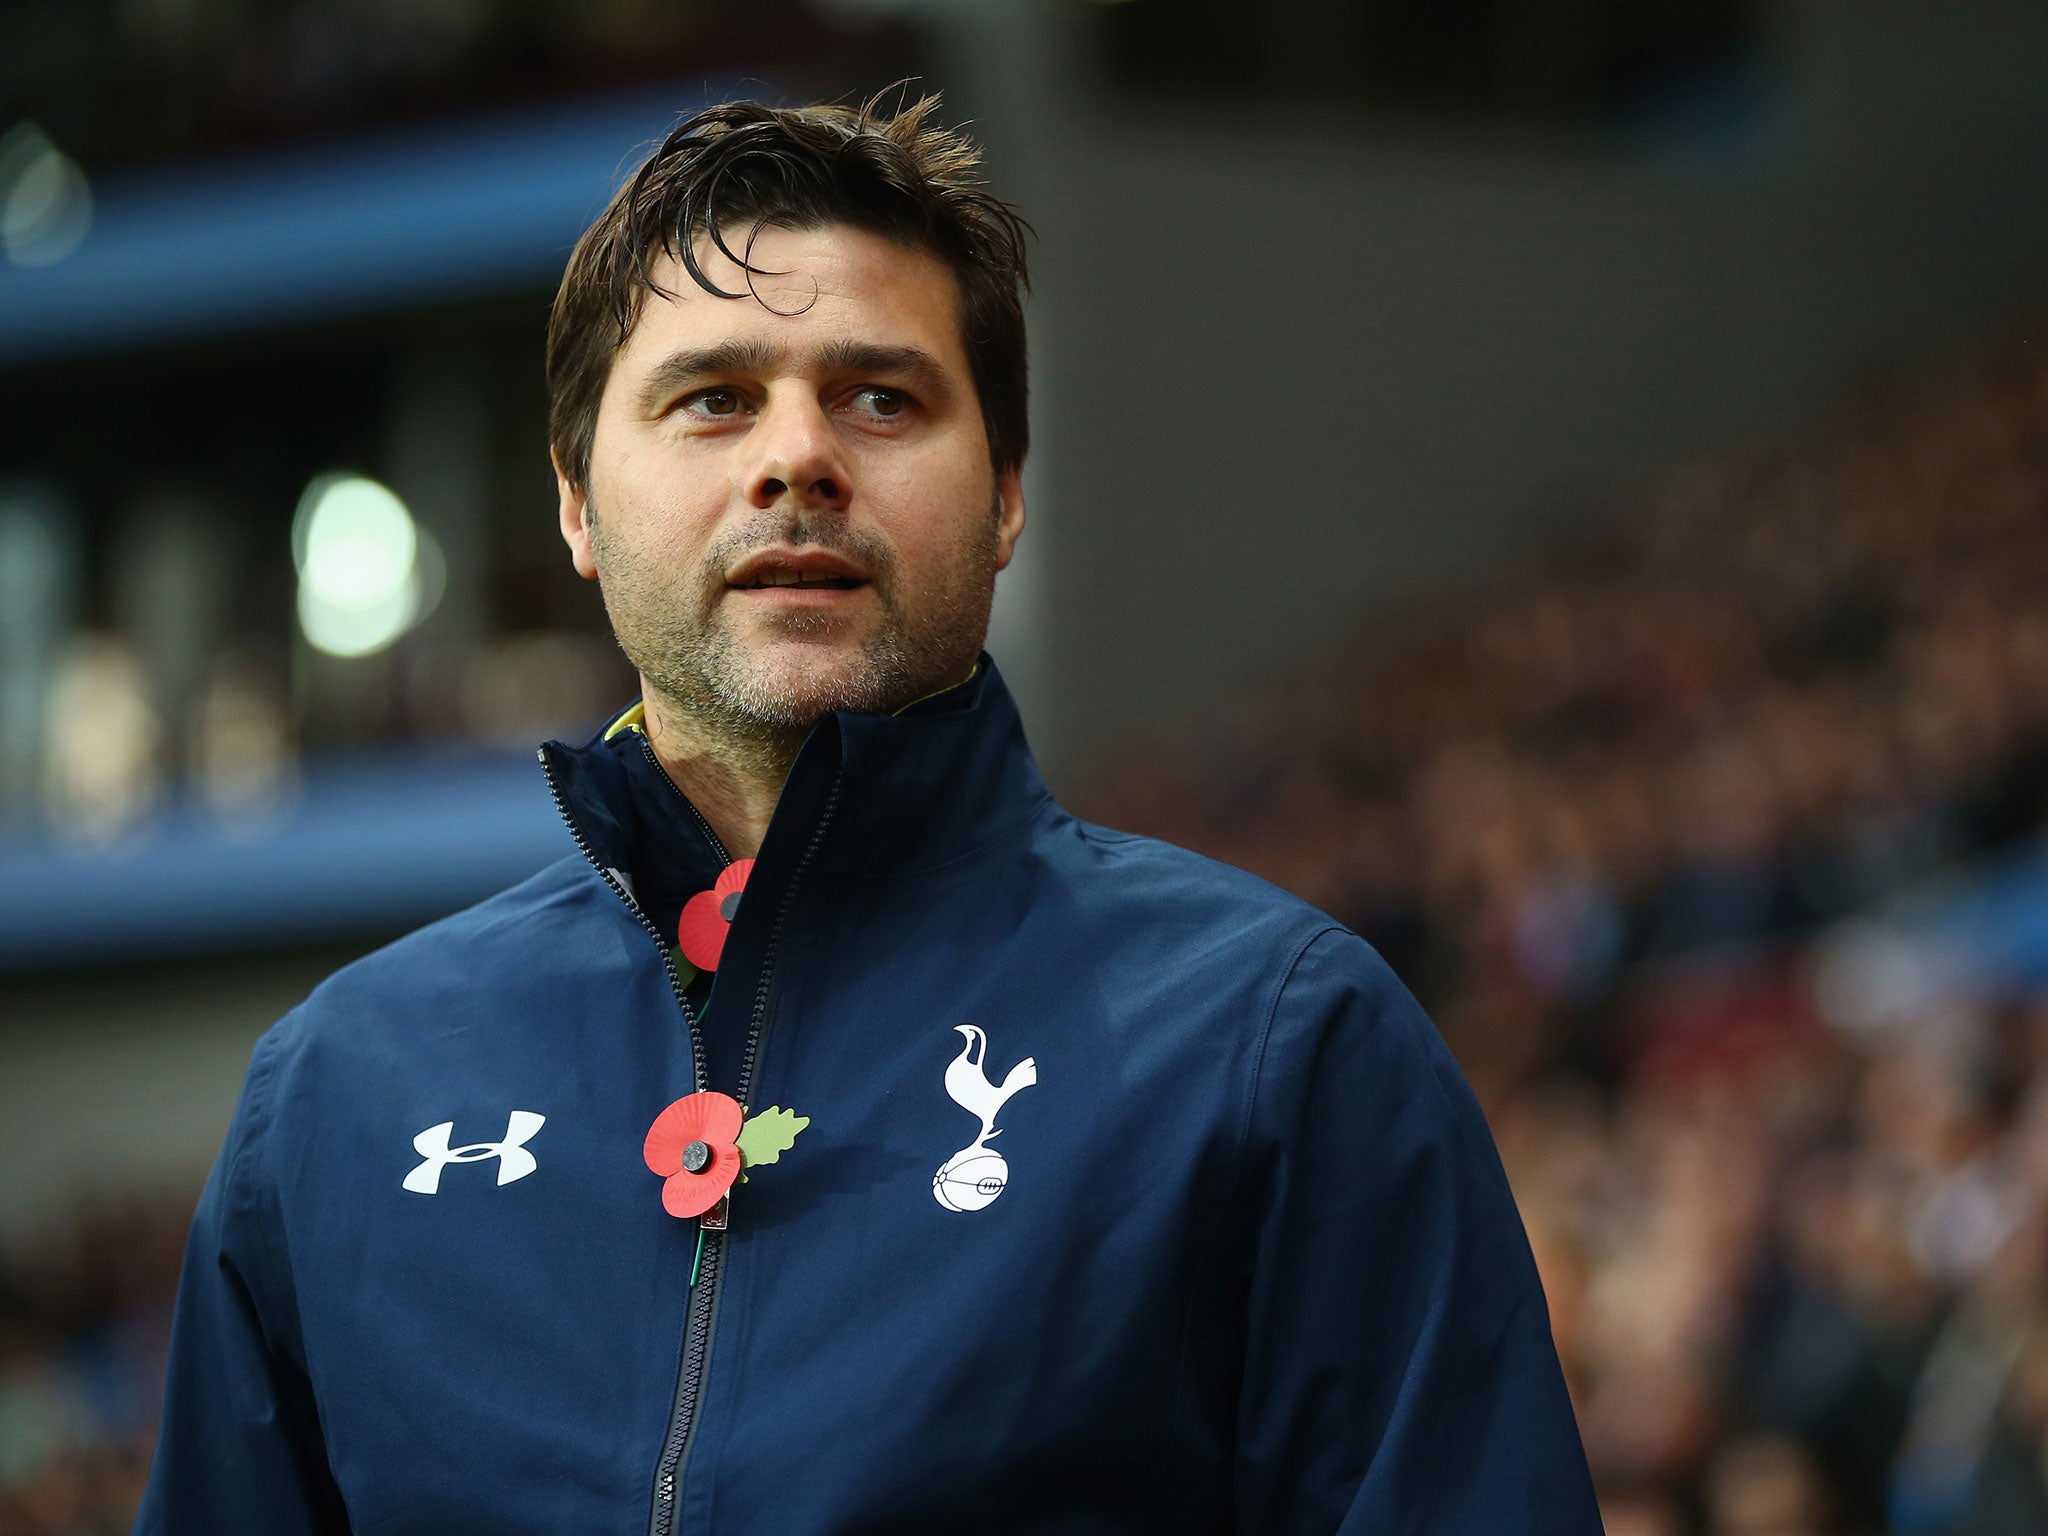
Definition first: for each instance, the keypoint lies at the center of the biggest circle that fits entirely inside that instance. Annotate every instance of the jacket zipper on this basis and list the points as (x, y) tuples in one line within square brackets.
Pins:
[(668, 965), (697, 1328), (703, 1310), (683, 800), (704, 1298)]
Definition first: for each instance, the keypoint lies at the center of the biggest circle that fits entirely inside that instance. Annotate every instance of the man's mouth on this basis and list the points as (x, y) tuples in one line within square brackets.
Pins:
[(797, 569), (782, 576)]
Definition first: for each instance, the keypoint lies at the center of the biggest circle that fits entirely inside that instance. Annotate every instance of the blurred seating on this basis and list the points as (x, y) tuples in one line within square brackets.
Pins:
[(1602, 818), (85, 1315)]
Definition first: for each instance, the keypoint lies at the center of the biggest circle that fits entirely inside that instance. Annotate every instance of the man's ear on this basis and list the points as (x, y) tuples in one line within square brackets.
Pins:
[(575, 513), (1009, 514)]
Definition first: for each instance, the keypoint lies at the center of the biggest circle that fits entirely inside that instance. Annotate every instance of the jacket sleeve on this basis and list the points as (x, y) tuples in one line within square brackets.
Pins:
[(1399, 1371), (240, 1448)]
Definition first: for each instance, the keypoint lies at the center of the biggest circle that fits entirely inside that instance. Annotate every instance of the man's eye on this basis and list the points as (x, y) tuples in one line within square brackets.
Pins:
[(713, 402), (877, 401)]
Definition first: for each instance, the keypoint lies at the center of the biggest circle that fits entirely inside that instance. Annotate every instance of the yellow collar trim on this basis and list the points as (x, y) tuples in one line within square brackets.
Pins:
[(937, 691), (634, 719)]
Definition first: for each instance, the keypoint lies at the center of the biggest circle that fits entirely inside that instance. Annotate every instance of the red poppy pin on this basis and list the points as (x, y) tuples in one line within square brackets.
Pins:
[(699, 1145), (707, 917), (694, 1145)]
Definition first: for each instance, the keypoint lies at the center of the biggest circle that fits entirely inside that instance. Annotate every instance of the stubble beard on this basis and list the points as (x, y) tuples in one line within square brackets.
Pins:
[(761, 699)]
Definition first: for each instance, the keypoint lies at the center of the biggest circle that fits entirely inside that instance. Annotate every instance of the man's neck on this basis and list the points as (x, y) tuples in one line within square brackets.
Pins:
[(734, 782)]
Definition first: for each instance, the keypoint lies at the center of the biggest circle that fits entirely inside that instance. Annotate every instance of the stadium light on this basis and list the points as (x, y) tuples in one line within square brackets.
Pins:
[(45, 202), (367, 572)]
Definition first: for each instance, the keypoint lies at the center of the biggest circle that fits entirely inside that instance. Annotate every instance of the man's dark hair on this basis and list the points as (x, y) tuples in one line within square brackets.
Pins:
[(739, 166)]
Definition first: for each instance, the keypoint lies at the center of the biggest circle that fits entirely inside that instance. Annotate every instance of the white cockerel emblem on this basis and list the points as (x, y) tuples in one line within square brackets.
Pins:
[(972, 1177)]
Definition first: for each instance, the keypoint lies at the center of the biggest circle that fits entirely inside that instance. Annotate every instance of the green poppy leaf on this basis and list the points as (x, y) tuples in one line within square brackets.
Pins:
[(766, 1136)]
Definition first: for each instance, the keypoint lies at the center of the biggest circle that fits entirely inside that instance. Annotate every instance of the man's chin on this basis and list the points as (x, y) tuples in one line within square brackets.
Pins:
[(797, 681)]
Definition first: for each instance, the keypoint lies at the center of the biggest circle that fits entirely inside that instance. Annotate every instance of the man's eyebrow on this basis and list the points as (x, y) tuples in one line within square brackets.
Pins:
[(725, 358), (914, 364)]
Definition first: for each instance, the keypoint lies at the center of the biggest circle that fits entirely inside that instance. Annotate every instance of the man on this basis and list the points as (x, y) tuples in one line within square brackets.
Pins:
[(844, 1138)]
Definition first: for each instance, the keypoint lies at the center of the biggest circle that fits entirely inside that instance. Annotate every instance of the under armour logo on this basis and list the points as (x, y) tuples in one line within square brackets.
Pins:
[(514, 1161)]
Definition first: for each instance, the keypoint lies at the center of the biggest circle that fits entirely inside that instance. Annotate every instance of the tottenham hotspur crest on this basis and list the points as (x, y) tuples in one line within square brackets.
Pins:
[(971, 1178)]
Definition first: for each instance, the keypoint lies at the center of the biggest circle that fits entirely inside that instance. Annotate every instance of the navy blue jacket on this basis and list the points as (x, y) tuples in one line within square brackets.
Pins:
[(1234, 1253)]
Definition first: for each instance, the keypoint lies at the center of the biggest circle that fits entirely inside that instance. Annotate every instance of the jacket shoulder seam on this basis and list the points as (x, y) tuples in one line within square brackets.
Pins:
[(1265, 1040), (243, 1202), (1237, 1156), (256, 1124), (1095, 834)]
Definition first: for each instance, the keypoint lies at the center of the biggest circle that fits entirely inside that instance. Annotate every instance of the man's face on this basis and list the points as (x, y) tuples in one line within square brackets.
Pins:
[(790, 505)]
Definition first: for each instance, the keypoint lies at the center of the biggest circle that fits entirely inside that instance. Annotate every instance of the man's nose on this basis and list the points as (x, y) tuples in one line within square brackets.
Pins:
[(798, 459)]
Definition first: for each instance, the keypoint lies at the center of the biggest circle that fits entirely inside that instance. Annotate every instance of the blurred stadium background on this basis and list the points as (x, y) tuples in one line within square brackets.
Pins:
[(1562, 484)]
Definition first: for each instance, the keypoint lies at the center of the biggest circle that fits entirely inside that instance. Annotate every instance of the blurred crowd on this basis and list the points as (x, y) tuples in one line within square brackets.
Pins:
[(85, 1318), (1603, 819), (137, 82)]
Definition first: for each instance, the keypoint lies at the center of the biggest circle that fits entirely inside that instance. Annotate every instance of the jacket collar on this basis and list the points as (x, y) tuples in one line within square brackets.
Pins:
[(936, 782), (869, 795)]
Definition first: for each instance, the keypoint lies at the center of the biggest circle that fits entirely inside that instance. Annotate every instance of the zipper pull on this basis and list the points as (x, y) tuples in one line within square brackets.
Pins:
[(712, 1220)]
